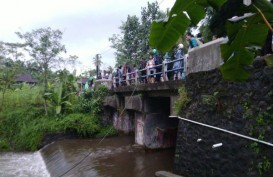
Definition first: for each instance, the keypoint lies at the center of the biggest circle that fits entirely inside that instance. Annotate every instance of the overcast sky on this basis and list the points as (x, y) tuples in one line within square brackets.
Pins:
[(87, 24)]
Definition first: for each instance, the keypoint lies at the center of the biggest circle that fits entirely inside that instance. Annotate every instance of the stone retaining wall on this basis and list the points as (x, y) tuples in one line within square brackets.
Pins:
[(245, 108)]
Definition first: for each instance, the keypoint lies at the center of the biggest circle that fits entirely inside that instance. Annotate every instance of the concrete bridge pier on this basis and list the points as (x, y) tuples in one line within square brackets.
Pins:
[(124, 122), (146, 117)]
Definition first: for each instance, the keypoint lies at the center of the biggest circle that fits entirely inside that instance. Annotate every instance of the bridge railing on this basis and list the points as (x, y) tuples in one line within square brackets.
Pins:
[(202, 58), (166, 70), (138, 76)]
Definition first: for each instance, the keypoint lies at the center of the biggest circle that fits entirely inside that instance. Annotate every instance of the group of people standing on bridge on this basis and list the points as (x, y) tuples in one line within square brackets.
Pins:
[(155, 69)]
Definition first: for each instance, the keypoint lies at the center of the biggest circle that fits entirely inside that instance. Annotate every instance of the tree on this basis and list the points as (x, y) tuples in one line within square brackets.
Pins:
[(69, 61), (110, 69), (133, 43), (7, 78), (7, 75), (9, 67), (14, 50), (11, 51), (148, 15), (244, 35), (127, 46), (44, 46), (2, 52)]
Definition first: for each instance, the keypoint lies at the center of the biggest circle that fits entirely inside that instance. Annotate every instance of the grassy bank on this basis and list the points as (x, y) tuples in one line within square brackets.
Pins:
[(23, 122)]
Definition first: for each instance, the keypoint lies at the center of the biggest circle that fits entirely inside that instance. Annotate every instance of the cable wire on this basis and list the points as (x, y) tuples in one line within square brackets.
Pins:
[(88, 154)]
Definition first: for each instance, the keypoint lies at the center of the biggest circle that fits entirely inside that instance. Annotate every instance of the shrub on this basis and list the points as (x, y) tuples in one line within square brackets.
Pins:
[(84, 124), (91, 101), (23, 123), (182, 101)]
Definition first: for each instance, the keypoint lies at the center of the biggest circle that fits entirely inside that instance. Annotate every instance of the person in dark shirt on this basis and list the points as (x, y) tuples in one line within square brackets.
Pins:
[(157, 61), (143, 72)]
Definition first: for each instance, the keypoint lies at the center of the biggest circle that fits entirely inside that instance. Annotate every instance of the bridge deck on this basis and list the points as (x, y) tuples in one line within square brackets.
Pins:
[(152, 89)]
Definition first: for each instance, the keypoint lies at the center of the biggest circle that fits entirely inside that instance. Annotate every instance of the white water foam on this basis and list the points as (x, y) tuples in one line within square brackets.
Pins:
[(22, 165)]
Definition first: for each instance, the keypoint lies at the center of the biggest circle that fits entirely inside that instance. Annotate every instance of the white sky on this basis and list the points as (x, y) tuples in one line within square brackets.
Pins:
[(87, 24)]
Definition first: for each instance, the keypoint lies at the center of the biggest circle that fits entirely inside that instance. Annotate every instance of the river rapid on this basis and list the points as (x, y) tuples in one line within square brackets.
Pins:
[(112, 157)]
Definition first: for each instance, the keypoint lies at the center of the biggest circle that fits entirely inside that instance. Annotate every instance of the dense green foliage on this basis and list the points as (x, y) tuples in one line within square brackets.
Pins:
[(53, 106), (165, 33), (244, 37), (23, 123), (245, 34), (219, 18), (182, 100)]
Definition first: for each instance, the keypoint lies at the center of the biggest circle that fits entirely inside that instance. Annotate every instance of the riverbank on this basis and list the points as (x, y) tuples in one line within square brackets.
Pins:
[(24, 125)]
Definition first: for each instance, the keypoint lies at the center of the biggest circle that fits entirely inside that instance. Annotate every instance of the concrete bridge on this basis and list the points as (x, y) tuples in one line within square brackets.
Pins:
[(216, 132), (144, 109)]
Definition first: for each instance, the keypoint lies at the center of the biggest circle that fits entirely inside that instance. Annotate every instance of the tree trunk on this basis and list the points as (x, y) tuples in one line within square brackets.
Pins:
[(97, 70), (45, 89)]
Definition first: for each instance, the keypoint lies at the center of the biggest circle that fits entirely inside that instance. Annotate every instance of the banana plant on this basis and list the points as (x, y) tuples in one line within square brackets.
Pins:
[(244, 35), (59, 96), (165, 32)]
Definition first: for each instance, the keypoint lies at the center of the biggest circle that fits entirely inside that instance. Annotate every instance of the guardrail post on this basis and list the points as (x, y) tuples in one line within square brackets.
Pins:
[(127, 78), (136, 77), (165, 69), (114, 82), (147, 74)]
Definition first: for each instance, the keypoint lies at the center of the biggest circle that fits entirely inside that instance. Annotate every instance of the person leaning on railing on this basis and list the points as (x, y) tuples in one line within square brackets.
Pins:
[(151, 70), (143, 71), (134, 74), (117, 77), (125, 69), (191, 40), (157, 61), (178, 65)]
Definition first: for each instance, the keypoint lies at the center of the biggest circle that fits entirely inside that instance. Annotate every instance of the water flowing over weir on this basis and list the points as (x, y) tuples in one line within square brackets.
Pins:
[(22, 165)]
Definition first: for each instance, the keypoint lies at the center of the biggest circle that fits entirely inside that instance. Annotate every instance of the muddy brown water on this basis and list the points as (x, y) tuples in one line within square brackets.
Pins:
[(112, 157)]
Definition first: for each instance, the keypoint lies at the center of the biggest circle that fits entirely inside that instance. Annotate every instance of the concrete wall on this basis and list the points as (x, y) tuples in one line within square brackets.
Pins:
[(124, 122), (159, 131), (139, 131), (134, 103), (205, 57)]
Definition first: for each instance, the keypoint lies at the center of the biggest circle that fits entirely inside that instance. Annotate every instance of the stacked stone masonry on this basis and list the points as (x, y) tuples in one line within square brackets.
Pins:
[(245, 108)]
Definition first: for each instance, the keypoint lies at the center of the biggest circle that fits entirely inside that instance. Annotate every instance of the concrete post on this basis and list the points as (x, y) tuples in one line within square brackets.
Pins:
[(165, 69)]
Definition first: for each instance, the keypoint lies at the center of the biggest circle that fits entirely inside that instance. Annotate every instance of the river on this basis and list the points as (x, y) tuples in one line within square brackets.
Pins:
[(112, 157)]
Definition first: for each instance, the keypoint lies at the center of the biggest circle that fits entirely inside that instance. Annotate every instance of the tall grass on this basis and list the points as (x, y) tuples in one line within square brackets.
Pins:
[(23, 123), (27, 95)]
